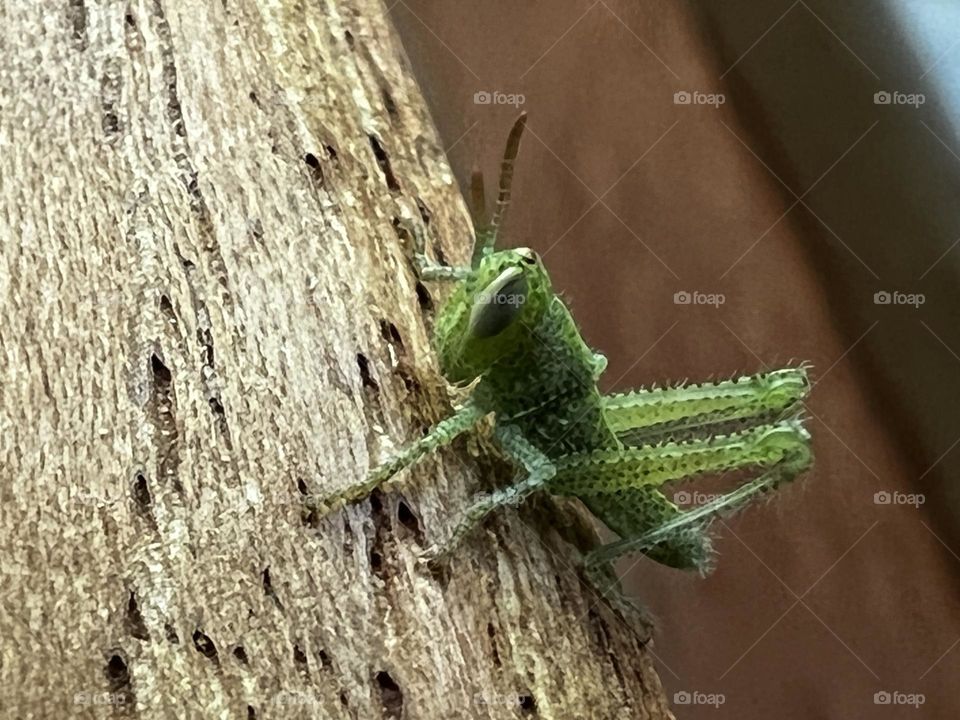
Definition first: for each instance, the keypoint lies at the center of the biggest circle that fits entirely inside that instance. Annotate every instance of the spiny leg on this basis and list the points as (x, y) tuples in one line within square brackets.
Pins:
[(635, 511), (796, 460), (538, 470), (615, 469), (442, 434), (639, 415), (685, 527), (426, 268), (630, 513)]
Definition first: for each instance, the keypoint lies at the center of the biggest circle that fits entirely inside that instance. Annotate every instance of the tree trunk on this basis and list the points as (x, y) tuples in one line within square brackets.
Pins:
[(208, 313)]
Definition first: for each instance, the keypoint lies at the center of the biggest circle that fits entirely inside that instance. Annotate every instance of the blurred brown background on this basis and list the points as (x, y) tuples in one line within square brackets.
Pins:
[(798, 198)]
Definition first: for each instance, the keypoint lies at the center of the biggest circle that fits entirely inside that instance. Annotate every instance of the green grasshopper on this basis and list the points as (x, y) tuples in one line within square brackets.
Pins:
[(505, 330)]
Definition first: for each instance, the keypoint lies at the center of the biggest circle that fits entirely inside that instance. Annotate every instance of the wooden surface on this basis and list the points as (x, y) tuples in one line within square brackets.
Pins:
[(207, 312)]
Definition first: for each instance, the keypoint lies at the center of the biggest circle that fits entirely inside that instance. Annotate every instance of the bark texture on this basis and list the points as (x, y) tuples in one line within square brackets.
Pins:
[(208, 312)]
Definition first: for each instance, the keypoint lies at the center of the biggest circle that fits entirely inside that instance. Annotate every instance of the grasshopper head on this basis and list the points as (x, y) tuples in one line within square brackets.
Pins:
[(492, 313)]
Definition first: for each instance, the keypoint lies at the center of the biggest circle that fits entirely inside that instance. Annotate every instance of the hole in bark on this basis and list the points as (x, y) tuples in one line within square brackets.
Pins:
[(116, 672), (389, 105), (331, 151), (205, 646), (343, 699), (309, 516), (300, 657), (217, 407), (161, 373), (254, 99), (110, 123), (423, 298), (141, 494), (383, 160), (325, 661), (365, 377), (390, 695), (494, 652), (528, 706), (251, 713), (77, 13), (389, 332), (408, 519), (166, 307), (348, 36), (130, 20), (381, 529), (171, 633), (135, 623), (241, 655), (268, 588), (315, 170), (425, 213)]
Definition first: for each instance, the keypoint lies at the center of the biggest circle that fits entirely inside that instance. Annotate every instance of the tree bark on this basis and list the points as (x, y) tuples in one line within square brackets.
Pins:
[(209, 312)]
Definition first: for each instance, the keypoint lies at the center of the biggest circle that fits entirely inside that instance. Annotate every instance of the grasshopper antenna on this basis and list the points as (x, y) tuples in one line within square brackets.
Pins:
[(488, 239)]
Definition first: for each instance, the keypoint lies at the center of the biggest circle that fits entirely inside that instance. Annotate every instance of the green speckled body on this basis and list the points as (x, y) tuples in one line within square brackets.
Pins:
[(548, 388), (504, 330)]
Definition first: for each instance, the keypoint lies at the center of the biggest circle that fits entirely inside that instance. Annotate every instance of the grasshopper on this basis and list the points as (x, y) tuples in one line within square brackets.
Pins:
[(506, 332)]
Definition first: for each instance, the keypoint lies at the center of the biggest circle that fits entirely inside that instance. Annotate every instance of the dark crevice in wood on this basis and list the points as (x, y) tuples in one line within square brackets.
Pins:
[(383, 161), (135, 623), (391, 697), (205, 646), (163, 416)]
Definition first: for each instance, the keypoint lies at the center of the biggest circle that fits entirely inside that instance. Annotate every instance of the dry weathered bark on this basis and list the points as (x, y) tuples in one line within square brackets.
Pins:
[(207, 312)]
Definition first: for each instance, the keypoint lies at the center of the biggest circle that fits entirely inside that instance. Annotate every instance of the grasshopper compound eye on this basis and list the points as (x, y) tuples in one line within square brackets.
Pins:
[(498, 304), (528, 256)]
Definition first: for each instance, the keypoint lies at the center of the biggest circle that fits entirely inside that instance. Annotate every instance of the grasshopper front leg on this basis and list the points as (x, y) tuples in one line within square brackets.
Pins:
[(538, 471), (442, 434), (426, 268)]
